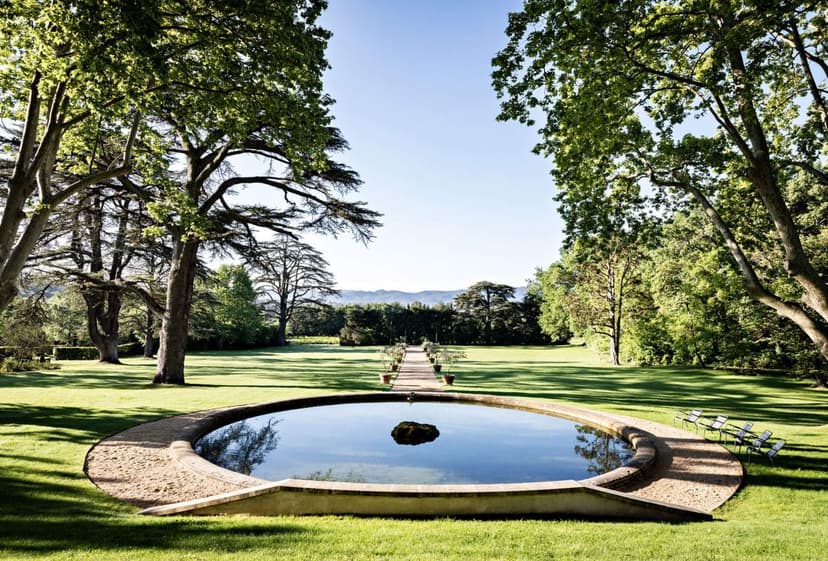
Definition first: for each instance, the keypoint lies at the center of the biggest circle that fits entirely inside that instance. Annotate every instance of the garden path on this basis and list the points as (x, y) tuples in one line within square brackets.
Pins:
[(416, 374)]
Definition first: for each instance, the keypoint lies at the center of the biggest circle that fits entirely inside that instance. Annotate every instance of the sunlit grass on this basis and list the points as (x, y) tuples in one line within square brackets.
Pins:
[(48, 510)]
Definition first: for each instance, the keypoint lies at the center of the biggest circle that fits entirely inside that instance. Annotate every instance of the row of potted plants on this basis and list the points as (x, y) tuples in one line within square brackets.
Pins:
[(392, 356), (442, 359)]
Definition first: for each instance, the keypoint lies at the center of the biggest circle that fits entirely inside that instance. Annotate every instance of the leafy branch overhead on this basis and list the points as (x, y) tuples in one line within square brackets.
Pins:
[(720, 106)]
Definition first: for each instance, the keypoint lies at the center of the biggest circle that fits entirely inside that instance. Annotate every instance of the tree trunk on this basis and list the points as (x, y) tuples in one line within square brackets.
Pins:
[(614, 350), (281, 334), (614, 307), (12, 265), (174, 324), (102, 322), (614, 337), (109, 351), (8, 290), (281, 331), (149, 346)]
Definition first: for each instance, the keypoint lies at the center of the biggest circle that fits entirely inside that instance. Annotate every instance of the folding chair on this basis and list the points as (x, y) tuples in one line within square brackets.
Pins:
[(773, 451), (758, 442), (740, 435), (715, 425), (691, 416)]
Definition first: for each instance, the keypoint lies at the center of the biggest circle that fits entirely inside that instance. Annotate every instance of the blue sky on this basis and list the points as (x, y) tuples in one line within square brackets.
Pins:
[(463, 197)]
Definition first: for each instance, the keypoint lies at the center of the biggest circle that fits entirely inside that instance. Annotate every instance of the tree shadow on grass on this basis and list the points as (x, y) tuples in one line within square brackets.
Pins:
[(112, 377), (54, 533), (47, 505), (773, 400), (77, 424)]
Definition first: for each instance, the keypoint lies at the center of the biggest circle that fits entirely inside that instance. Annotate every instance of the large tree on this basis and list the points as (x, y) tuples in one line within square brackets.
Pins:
[(719, 103), (67, 69), (556, 282), (486, 303), (95, 242), (604, 284), (292, 276), (254, 117)]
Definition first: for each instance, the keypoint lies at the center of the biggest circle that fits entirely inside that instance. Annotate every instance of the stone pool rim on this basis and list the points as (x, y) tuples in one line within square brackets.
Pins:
[(182, 450), (592, 497)]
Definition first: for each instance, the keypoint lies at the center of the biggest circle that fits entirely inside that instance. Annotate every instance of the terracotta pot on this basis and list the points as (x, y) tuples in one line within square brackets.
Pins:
[(448, 379), (438, 367), (385, 377)]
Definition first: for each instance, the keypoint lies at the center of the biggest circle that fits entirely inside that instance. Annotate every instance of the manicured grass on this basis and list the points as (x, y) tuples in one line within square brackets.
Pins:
[(48, 510)]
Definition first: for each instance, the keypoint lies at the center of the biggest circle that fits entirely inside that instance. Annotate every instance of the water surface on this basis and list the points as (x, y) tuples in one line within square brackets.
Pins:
[(353, 442)]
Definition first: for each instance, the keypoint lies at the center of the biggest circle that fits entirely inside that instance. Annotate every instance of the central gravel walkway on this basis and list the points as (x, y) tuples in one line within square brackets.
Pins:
[(416, 374)]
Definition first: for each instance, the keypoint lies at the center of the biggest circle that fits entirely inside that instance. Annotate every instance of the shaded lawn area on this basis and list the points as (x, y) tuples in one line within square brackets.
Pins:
[(48, 510)]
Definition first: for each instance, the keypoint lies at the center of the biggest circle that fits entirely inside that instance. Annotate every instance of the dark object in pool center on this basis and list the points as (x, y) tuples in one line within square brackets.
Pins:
[(413, 433)]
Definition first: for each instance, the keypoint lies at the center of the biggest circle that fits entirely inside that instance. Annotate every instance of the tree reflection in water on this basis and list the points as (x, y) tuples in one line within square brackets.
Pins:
[(351, 476), (603, 451), (239, 447)]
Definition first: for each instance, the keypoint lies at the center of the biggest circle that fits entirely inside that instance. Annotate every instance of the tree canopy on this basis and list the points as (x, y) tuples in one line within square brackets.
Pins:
[(716, 104), (485, 303)]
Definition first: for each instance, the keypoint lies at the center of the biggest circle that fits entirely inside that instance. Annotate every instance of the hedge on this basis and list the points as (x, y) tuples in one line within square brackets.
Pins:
[(91, 353)]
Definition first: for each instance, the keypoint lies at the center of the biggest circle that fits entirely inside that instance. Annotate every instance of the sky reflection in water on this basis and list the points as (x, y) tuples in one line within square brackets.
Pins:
[(352, 442)]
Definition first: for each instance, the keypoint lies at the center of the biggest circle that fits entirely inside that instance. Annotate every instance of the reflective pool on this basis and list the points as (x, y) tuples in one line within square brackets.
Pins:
[(471, 444)]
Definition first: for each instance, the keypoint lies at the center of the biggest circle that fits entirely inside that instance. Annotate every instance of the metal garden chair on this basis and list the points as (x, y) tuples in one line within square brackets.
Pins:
[(714, 425), (691, 417), (771, 453), (740, 434)]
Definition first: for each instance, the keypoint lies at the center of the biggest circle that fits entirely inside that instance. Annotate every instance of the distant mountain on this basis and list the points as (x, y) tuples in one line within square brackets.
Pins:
[(427, 297)]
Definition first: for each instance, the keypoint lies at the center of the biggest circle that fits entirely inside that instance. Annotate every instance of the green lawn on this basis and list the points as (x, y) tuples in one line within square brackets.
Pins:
[(49, 420)]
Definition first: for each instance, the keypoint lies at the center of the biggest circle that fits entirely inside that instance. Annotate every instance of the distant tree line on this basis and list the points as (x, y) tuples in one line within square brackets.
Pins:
[(486, 313), (234, 309)]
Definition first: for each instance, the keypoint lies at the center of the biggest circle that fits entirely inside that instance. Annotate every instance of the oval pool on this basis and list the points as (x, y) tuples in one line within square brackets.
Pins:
[(353, 442)]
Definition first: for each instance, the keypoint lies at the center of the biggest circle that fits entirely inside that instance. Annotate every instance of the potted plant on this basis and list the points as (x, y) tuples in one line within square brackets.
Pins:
[(431, 351), (389, 364), (448, 358)]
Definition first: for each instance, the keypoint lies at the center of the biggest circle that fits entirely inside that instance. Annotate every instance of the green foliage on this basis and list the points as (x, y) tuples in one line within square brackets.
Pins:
[(317, 320), (487, 304), (66, 318), (236, 316), (449, 358), (657, 104), (179, 211), (21, 329), (313, 340), (555, 284), (359, 329), (374, 324), (11, 364), (697, 313)]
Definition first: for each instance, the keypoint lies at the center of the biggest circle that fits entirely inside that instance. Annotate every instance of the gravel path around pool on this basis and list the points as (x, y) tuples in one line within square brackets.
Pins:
[(136, 466)]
